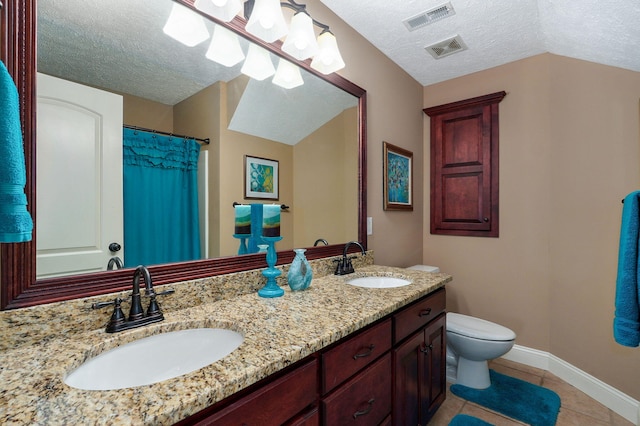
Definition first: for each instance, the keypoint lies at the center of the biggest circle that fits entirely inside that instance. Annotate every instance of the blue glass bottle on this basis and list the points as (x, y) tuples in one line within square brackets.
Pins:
[(300, 273)]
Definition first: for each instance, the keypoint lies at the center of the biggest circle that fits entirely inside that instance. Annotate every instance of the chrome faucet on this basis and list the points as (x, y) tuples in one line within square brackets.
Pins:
[(116, 262), (345, 266), (137, 316), (321, 240)]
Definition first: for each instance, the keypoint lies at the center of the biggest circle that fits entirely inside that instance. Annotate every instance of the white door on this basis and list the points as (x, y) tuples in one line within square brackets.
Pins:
[(79, 177)]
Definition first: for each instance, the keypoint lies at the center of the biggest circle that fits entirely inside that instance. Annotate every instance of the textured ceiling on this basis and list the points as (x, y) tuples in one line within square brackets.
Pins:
[(497, 32)]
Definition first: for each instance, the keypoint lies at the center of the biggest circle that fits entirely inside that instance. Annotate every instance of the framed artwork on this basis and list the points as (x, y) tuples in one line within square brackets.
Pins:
[(398, 177), (260, 178)]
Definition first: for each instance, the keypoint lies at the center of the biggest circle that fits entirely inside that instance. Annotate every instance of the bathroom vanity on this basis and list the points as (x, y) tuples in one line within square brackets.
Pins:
[(392, 372), (332, 354)]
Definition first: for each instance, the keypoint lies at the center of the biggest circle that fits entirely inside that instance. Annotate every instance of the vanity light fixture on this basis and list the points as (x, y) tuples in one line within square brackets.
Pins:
[(224, 10), (225, 47), (258, 64), (301, 42), (266, 21), (185, 26), (328, 59), (287, 75)]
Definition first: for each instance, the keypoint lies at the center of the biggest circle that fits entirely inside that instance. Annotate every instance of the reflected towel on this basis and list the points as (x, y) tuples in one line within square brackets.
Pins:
[(15, 222), (626, 324)]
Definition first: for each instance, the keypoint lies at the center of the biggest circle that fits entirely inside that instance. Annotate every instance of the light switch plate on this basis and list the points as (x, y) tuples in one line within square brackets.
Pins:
[(369, 226)]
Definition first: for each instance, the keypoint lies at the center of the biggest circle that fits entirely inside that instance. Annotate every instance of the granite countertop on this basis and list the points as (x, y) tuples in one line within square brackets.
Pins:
[(277, 333)]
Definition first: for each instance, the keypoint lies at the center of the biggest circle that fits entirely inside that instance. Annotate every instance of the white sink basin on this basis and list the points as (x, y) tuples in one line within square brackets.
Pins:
[(154, 359), (379, 282)]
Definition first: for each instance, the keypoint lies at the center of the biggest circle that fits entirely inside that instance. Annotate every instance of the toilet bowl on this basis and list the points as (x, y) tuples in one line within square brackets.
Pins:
[(471, 343)]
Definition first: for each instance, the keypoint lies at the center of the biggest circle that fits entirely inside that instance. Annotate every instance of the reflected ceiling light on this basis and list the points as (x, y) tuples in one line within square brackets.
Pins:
[(186, 26), (267, 21), (328, 58), (258, 64), (225, 47), (288, 75), (224, 10), (301, 41)]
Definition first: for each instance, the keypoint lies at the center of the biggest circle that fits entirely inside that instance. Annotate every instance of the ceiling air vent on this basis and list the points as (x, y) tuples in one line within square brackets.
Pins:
[(429, 17), (447, 47)]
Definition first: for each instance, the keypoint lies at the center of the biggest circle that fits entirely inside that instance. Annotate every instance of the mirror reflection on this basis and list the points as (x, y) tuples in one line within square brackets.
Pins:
[(106, 65)]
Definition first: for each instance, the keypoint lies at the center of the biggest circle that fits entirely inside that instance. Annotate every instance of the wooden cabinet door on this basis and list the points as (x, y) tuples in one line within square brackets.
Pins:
[(409, 372), (464, 167), (435, 358), (420, 375)]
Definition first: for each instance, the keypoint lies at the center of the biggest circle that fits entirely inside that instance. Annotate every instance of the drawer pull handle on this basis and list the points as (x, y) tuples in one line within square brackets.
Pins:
[(425, 312), (364, 354), (365, 411), (425, 349)]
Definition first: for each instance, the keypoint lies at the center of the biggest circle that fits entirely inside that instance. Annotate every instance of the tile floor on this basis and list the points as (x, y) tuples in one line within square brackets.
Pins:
[(577, 409)]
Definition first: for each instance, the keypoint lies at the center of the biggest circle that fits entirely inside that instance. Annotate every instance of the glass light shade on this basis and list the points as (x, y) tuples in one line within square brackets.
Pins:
[(301, 41), (267, 21), (186, 26), (224, 10), (258, 64), (287, 75), (225, 47), (328, 58)]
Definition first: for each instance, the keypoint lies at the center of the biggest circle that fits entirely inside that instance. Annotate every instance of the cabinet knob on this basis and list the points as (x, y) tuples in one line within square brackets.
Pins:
[(486, 219), (425, 349)]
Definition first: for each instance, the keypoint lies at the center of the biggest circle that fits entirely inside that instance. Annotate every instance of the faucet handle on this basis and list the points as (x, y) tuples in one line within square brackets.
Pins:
[(154, 308), (117, 317)]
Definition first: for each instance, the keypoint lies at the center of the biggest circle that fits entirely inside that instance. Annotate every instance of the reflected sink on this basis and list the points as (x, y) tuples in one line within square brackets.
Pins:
[(379, 282), (154, 359)]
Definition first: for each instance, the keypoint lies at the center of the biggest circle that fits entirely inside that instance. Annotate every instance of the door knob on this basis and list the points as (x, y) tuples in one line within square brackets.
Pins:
[(114, 247)]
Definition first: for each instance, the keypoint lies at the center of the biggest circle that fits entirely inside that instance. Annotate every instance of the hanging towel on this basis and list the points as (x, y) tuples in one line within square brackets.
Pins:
[(626, 324), (16, 225)]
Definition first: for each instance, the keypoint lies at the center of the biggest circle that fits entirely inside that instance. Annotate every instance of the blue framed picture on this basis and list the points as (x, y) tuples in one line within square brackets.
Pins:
[(398, 177), (260, 178)]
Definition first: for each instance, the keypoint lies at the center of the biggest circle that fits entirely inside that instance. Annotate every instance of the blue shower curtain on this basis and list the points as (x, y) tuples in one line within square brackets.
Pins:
[(160, 198)]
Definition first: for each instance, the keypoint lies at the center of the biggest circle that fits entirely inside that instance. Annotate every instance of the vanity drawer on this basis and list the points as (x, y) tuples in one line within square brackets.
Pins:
[(352, 355), (364, 400), (274, 403), (419, 314)]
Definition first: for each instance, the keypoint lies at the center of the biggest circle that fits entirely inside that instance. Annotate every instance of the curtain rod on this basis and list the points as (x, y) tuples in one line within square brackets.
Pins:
[(142, 129)]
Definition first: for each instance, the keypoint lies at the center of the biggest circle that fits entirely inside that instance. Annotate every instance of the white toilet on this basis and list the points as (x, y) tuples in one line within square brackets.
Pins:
[(471, 342)]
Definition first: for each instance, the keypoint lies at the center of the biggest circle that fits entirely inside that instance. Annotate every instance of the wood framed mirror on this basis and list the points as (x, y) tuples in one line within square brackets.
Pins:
[(19, 285)]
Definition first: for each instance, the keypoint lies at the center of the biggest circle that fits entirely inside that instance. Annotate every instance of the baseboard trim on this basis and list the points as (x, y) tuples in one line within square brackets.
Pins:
[(608, 396)]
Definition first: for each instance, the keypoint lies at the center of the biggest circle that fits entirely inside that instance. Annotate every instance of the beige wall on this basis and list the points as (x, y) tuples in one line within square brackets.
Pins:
[(323, 170), (569, 152), (145, 113), (394, 114)]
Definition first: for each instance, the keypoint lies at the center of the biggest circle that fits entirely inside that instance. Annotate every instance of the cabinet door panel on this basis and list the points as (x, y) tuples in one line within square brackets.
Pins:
[(409, 370), (464, 166), (435, 365)]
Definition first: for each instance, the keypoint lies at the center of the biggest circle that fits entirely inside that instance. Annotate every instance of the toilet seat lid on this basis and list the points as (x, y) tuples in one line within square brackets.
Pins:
[(478, 328)]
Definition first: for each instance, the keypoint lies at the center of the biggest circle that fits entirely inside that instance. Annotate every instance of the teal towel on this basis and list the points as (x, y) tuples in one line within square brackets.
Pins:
[(626, 324), (16, 225)]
